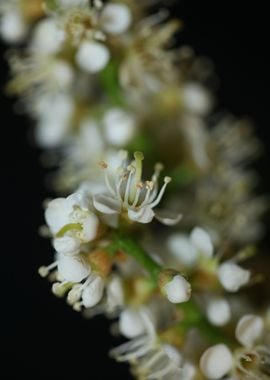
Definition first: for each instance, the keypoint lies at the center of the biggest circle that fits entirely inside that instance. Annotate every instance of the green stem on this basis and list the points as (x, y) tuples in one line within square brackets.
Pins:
[(134, 250)]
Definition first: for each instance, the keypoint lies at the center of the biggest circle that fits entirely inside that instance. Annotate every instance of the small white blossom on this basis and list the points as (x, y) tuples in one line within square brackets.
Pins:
[(232, 276), (116, 18), (218, 312), (151, 359), (196, 98), (73, 215), (13, 27), (119, 126), (249, 329), (216, 361), (92, 56), (131, 323), (127, 193), (54, 113), (202, 241), (189, 249), (178, 289)]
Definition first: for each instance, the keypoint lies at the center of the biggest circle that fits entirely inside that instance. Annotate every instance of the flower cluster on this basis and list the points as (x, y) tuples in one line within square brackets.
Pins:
[(169, 258)]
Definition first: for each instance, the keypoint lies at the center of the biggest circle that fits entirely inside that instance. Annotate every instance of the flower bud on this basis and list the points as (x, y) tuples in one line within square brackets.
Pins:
[(92, 294), (249, 329), (232, 276), (92, 56), (216, 361), (218, 312), (131, 323), (116, 18), (174, 286)]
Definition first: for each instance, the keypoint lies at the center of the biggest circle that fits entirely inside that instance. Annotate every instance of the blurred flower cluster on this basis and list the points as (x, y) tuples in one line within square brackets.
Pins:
[(115, 101)]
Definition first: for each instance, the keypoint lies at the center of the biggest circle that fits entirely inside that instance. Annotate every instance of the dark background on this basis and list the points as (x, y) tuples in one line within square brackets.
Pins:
[(40, 335)]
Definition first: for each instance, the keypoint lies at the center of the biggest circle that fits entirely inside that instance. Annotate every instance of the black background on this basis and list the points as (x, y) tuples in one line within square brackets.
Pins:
[(40, 335)]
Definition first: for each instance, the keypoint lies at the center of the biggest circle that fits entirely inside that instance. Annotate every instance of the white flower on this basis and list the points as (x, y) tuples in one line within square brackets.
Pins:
[(47, 37), (93, 292), (67, 245), (92, 56), (73, 269), (127, 193), (116, 18), (151, 359), (249, 329), (202, 241), (131, 323), (72, 215), (178, 289), (12, 26), (119, 126), (188, 249), (232, 276), (218, 312), (54, 113), (216, 361), (196, 98)]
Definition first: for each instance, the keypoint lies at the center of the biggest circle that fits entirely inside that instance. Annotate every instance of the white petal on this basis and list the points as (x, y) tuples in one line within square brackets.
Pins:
[(196, 98), (249, 329), (182, 249), (47, 37), (166, 219), (92, 294), (51, 133), (232, 276), (12, 26), (178, 289), (73, 269), (79, 199), (115, 293), (116, 18), (92, 56), (143, 215), (119, 126), (67, 245), (106, 204), (131, 323), (173, 354), (90, 227), (62, 74), (57, 214), (216, 361), (202, 241), (218, 312)]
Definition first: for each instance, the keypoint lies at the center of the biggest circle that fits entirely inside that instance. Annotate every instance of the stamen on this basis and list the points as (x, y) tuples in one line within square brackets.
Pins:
[(60, 288), (138, 164), (161, 193), (158, 169), (131, 170), (44, 271), (137, 195)]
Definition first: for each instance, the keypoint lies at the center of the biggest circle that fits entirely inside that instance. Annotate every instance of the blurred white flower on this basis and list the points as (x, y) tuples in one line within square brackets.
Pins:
[(216, 361), (47, 37), (119, 126), (189, 249), (196, 98), (92, 56), (249, 330), (232, 276), (218, 311), (13, 27), (116, 18)]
